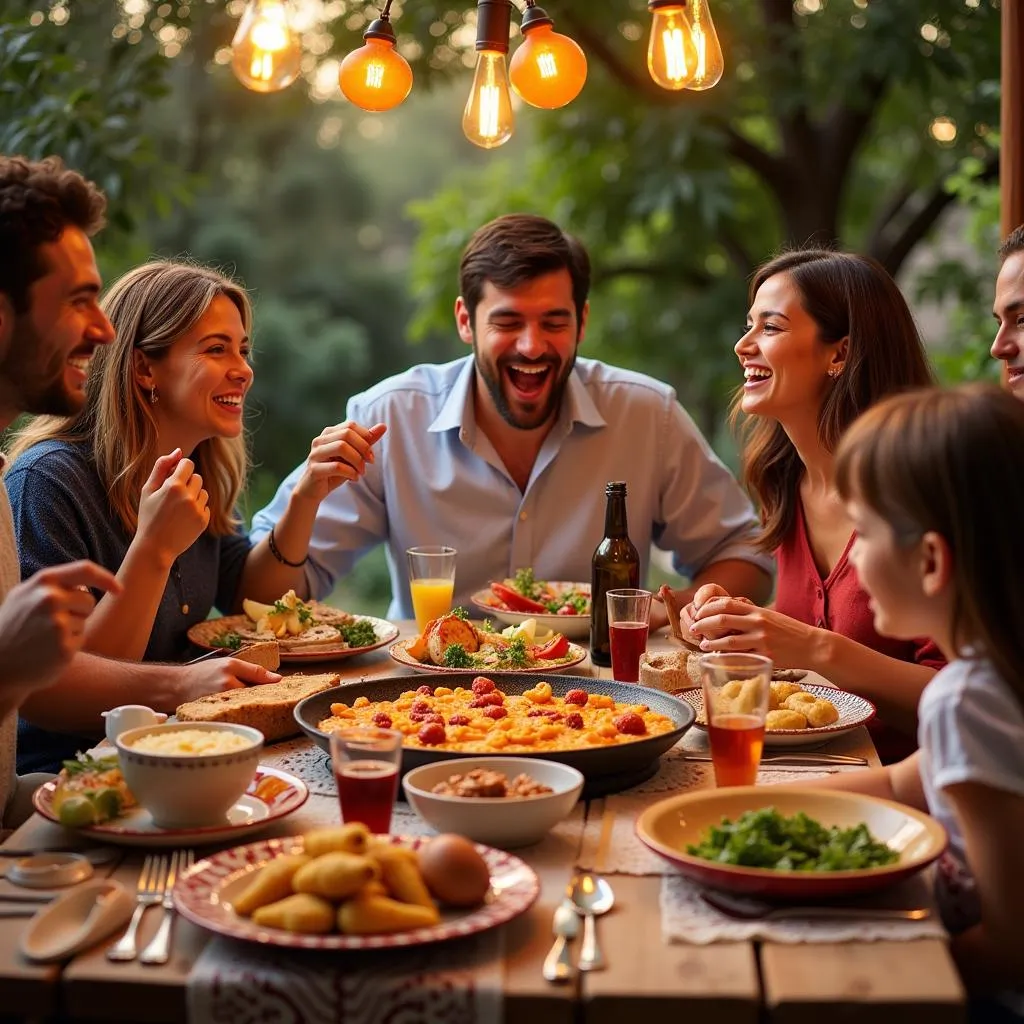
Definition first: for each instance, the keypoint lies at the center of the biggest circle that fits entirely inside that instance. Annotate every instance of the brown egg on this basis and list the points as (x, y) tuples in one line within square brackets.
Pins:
[(454, 872)]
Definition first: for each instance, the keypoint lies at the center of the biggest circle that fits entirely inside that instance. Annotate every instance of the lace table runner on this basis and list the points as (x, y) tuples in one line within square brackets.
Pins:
[(450, 983)]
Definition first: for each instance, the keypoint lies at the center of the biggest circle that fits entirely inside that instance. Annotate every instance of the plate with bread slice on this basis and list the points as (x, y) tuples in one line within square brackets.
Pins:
[(303, 630)]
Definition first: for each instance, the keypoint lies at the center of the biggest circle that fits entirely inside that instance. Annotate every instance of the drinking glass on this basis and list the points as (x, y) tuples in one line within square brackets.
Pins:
[(628, 614), (736, 689), (366, 762), (431, 581)]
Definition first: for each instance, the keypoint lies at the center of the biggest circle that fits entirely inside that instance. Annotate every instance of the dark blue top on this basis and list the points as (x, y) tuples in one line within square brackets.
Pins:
[(61, 513)]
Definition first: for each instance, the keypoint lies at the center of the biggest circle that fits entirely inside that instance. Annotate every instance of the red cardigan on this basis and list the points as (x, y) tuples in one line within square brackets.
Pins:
[(839, 603)]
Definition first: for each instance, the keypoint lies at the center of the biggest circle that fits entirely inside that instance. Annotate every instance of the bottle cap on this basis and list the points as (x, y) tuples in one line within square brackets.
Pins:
[(615, 487)]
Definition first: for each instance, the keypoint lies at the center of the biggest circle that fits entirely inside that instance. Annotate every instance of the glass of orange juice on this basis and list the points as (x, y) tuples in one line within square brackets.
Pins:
[(736, 692), (431, 581)]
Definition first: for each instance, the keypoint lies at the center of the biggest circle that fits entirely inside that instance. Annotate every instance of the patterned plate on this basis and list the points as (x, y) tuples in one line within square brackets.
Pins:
[(273, 794), (204, 894), (203, 632), (853, 712), (400, 653)]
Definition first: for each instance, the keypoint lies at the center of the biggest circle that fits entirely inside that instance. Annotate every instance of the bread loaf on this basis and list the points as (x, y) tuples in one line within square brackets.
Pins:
[(267, 708)]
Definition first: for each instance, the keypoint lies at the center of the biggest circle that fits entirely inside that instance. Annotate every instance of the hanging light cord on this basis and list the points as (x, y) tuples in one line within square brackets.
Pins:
[(386, 13)]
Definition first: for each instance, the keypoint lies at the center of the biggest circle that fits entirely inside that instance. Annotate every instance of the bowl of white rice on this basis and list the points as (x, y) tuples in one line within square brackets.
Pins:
[(189, 775)]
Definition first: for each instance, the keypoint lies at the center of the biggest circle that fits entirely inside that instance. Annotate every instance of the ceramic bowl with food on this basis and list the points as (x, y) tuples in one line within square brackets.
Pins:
[(189, 774), (670, 826), (575, 627), (518, 818)]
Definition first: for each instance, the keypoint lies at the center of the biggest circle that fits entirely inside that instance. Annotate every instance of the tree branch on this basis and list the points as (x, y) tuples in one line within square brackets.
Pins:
[(799, 141), (892, 255), (846, 125)]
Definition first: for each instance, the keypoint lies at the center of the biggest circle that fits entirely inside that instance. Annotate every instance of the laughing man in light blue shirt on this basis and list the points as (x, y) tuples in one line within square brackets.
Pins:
[(504, 455)]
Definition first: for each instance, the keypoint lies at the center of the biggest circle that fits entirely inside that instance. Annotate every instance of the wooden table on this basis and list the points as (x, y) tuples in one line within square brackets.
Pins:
[(739, 983)]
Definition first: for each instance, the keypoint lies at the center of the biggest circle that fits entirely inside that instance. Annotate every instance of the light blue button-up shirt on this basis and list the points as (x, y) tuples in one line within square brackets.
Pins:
[(437, 479)]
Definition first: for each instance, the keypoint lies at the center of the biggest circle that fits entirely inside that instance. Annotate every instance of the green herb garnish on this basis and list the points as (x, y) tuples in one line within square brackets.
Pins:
[(487, 626), (455, 656), (766, 839), (359, 633), (85, 763), (526, 583), (460, 613), (517, 654), (230, 640)]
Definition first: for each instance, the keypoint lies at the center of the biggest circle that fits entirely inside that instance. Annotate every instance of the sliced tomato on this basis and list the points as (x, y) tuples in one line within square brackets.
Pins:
[(567, 609), (556, 647), (514, 601)]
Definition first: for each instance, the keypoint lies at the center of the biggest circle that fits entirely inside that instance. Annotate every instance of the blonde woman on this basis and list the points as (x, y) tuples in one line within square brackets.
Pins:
[(144, 479)]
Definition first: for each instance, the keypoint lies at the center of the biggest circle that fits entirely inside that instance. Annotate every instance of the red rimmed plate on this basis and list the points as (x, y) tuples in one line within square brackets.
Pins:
[(671, 825), (853, 711), (202, 633), (273, 794), (400, 652), (203, 895)]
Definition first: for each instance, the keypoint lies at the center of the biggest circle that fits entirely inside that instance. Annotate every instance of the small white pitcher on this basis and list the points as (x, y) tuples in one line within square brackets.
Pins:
[(130, 716)]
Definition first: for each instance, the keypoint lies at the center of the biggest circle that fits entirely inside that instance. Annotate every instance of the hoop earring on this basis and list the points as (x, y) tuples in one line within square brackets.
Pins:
[(153, 396)]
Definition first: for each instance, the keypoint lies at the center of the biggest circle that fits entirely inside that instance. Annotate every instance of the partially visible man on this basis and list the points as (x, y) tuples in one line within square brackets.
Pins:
[(505, 454), (50, 324), (1008, 309)]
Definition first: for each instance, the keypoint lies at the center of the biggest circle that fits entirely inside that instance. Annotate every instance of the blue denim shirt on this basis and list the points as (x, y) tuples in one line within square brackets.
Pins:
[(438, 480)]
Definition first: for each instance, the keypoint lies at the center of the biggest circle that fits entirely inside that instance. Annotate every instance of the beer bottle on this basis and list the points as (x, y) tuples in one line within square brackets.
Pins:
[(616, 564)]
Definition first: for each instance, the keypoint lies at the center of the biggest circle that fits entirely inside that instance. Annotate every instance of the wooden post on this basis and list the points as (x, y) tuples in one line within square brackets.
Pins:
[(1011, 156)]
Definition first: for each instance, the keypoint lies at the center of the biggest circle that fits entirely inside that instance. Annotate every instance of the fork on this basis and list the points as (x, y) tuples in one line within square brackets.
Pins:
[(158, 951), (149, 892)]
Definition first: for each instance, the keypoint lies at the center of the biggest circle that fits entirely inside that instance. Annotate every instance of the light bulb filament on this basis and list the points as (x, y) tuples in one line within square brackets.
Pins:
[(490, 100), (374, 75), (547, 66), (269, 35), (675, 54), (701, 46)]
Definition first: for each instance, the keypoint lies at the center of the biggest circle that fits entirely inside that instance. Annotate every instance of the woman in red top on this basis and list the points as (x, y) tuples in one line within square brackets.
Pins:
[(828, 335)]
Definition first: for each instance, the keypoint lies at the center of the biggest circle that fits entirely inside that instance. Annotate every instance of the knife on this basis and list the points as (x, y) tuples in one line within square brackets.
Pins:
[(798, 759)]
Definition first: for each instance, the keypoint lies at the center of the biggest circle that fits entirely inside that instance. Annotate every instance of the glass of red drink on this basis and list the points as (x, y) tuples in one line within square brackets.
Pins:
[(736, 692), (628, 614), (366, 762)]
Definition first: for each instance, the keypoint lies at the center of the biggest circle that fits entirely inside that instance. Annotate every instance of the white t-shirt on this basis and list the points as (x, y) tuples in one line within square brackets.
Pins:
[(970, 729)]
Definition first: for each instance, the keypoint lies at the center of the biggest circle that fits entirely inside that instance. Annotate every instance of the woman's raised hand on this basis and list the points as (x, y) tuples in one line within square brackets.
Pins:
[(174, 506), (734, 624), (341, 453)]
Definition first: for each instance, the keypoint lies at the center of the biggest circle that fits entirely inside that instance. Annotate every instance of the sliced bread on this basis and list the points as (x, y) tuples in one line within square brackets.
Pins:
[(267, 708), (266, 653)]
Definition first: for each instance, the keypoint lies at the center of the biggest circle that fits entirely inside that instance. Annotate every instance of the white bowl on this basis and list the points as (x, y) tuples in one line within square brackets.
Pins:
[(575, 627), (505, 822), (188, 790)]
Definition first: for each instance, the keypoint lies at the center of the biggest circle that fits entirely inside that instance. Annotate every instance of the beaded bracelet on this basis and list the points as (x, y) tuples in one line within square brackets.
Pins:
[(277, 554)]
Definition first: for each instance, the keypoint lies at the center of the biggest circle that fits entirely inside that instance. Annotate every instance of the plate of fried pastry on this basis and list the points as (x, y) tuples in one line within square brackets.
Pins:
[(799, 715)]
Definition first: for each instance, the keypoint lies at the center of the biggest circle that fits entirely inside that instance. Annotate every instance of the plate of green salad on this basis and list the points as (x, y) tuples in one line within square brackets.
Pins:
[(789, 842)]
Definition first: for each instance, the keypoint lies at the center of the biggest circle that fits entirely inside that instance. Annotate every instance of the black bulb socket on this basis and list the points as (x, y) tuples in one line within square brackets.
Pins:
[(493, 21), (534, 17), (381, 29), (654, 5)]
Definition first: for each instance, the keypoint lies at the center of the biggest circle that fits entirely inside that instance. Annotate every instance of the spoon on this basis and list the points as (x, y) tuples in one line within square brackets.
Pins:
[(592, 896), (744, 908), (557, 964)]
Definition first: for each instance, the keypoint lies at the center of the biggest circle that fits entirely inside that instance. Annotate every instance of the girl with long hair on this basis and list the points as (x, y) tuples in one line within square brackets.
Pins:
[(934, 482)]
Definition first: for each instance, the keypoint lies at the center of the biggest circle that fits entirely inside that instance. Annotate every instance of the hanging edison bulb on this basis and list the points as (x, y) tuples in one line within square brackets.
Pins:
[(487, 120), (266, 55), (671, 55), (376, 77), (710, 62), (548, 70)]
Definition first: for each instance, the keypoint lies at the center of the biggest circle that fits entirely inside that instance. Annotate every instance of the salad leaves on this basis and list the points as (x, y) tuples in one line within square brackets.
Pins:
[(767, 839)]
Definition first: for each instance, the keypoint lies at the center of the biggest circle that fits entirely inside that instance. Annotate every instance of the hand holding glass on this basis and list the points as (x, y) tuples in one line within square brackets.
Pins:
[(628, 614), (736, 691), (431, 581), (366, 763)]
